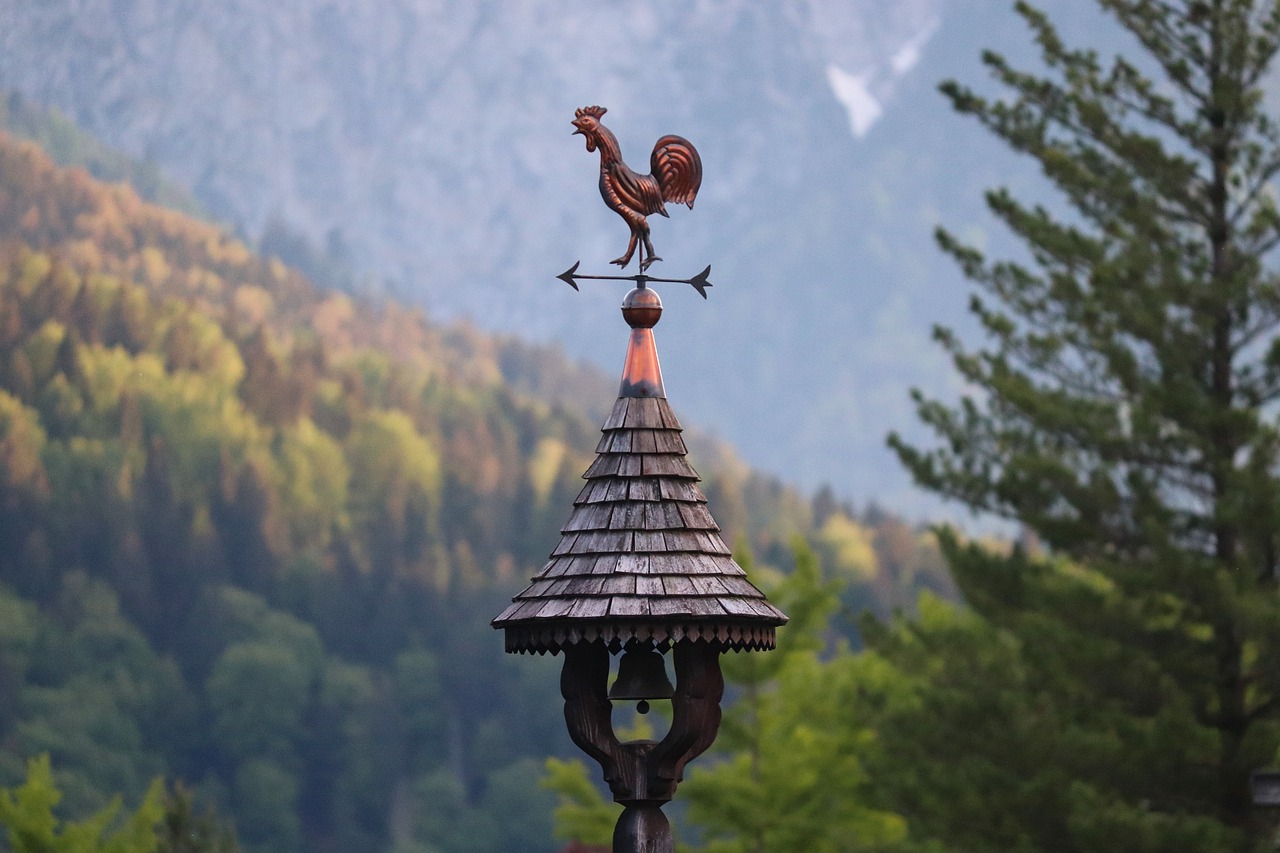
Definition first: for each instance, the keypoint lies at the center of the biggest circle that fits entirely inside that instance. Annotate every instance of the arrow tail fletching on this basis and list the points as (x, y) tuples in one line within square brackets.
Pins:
[(700, 282)]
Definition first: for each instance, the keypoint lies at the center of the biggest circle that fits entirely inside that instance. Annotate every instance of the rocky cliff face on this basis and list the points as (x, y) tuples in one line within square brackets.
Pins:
[(435, 138)]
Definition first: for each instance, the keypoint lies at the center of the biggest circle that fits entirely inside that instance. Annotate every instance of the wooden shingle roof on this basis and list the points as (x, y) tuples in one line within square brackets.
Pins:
[(640, 556)]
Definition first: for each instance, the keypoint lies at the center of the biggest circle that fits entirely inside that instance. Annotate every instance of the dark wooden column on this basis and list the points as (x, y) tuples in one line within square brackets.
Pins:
[(642, 775)]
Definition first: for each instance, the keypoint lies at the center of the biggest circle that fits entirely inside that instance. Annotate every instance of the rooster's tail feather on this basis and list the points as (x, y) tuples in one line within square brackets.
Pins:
[(676, 166)]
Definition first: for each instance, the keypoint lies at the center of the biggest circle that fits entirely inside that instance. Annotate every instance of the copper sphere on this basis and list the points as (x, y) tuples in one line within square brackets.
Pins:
[(642, 308)]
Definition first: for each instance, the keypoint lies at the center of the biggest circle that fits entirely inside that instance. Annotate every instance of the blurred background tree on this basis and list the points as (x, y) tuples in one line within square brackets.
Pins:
[(1123, 411)]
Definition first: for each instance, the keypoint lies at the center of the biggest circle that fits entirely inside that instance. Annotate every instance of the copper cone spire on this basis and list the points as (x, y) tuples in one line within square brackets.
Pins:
[(641, 373)]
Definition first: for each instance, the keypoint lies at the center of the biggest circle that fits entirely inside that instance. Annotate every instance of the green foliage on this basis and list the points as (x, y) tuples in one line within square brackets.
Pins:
[(315, 488), (265, 796), (22, 441), (257, 694), (792, 776), (513, 813), (1116, 694), (395, 489), (423, 707), (1010, 749), (183, 831), (253, 533), (581, 813), (97, 697), (27, 814), (516, 811)]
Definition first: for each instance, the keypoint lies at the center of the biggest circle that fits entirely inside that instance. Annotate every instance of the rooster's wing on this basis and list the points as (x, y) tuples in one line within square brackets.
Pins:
[(626, 190)]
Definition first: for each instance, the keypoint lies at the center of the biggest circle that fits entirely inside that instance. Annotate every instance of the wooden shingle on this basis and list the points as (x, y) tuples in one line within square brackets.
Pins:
[(697, 516), (669, 442), (644, 489), (650, 585), (604, 466), (677, 489), (628, 605), (633, 564), (590, 608), (618, 584), (667, 465), (588, 517), (617, 417), (646, 540), (646, 413), (679, 585), (606, 564)]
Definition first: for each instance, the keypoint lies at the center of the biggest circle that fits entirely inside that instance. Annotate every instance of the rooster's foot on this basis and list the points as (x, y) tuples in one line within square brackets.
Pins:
[(622, 261), (644, 265)]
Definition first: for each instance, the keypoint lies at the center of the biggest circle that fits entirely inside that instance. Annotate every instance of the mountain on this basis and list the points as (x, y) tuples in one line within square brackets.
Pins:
[(429, 144), (425, 149)]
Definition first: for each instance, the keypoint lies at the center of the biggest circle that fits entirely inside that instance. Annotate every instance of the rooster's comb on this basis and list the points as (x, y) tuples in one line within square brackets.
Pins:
[(594, 112)]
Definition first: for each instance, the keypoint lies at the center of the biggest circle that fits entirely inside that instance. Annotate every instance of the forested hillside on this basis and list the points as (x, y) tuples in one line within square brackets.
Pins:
[(68, 145), (252, 533)]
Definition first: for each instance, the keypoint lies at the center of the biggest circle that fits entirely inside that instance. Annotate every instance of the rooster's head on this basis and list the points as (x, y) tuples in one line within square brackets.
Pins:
[(587, 122)]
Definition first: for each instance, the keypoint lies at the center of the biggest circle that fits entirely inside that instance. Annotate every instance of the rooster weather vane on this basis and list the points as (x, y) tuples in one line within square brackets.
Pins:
[(675, 176)]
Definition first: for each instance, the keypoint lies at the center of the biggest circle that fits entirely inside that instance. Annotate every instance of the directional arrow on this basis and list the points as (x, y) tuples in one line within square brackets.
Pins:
[(699, 281)]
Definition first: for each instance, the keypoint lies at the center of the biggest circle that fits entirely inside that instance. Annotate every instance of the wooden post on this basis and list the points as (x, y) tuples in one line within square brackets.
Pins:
[(643, 829), (642, 775)]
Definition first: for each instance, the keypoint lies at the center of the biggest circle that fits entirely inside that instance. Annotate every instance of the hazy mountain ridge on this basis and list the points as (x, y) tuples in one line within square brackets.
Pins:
[(435, 139), (413, 111)]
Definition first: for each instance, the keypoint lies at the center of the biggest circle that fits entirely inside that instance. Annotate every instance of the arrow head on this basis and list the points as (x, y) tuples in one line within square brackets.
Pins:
[(567, 275)]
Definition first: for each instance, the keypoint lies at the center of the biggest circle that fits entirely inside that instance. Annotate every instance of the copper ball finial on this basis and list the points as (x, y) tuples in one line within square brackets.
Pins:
[(642, 308)]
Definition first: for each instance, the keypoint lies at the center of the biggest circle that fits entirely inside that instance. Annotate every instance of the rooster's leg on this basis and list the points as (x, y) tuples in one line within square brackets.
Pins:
[(631, 248), (647, 247)]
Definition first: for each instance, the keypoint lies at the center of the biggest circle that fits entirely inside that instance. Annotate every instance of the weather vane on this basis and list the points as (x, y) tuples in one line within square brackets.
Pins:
[(675, 176)]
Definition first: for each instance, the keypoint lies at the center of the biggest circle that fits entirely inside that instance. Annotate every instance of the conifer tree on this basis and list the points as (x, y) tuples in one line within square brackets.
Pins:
[(1124, 411)]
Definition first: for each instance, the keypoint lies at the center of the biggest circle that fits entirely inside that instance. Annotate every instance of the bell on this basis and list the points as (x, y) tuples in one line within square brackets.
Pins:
[(641, 675)]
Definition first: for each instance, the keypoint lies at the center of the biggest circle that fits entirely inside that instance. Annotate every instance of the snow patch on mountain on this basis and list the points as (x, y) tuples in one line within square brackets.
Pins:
[(863, 95), (908, 55), (853, 91)]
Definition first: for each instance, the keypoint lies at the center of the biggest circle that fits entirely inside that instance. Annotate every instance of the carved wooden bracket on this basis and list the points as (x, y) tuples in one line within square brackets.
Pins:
[(643, 772)]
